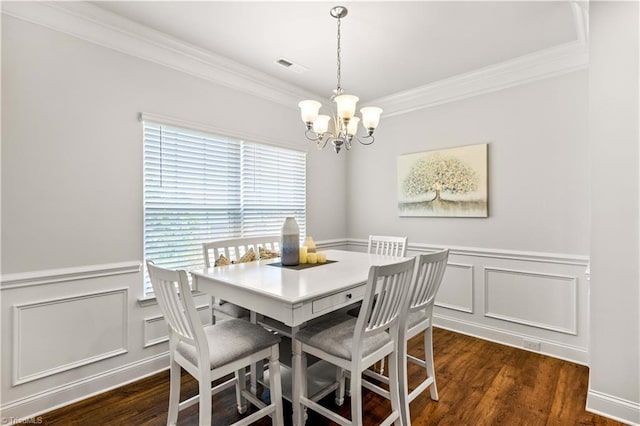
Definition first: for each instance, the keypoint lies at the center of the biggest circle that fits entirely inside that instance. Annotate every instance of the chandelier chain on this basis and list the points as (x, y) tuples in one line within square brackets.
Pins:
[(339, 87)]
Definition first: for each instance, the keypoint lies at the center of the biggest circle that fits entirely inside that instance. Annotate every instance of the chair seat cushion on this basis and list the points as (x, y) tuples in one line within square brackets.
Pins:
[(230, 309), (229, 341), (334, 335)]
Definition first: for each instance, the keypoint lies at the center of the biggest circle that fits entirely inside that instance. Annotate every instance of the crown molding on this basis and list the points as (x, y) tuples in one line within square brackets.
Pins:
[(91, 23), (580, 10), (545, 63)]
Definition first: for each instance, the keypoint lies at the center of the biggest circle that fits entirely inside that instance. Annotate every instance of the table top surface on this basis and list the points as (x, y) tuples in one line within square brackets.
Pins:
[(296, 286)]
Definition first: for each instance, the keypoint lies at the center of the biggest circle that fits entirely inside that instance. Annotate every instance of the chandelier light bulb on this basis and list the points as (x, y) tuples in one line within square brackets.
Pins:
[(309, 110), (352, 127), (346, 105), (370, 117), (321, 124)]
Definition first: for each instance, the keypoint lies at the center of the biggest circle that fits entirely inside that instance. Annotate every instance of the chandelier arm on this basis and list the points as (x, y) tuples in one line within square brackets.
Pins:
[(373, 139), (322, 142), (312, 136)]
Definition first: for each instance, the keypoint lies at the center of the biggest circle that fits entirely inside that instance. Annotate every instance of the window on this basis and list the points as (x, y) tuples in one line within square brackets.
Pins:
[(200, 187)]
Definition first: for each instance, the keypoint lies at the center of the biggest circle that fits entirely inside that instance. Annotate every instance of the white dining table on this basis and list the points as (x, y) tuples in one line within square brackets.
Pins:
[(292, 296)]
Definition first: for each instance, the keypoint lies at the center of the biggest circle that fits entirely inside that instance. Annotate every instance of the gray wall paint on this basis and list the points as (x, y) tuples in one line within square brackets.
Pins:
[(538, 169), (72, 149), (613, 140)]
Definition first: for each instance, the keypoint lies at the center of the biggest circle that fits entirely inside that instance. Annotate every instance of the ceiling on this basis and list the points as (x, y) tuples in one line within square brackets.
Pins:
[(387, 47)]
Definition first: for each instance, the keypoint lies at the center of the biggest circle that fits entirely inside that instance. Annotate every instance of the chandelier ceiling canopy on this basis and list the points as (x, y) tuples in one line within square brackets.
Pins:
[(345, 122)]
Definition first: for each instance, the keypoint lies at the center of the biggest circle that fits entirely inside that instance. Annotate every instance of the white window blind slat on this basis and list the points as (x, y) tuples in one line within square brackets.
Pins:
[(200, 187)]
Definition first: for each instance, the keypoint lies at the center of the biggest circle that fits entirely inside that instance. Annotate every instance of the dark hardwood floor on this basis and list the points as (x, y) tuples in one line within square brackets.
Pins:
[(479, 383)]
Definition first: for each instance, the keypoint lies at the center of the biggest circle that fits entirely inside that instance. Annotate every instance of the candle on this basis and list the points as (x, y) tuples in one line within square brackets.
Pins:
[(312, 258), (321, 256), (310, 245), (303, 254)]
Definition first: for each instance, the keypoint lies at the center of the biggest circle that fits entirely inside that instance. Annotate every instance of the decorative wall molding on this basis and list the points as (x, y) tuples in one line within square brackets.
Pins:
[(546, 63), (554, 258), (534, 278), (30, 334), (503, 336), (93, 24), (77, 390), (615, 408), (467, 286), (96, 25), (52, 276)]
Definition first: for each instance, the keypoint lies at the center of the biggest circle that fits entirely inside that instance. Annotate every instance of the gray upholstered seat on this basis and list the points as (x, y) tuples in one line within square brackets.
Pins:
[(230, 340), (335, 336)]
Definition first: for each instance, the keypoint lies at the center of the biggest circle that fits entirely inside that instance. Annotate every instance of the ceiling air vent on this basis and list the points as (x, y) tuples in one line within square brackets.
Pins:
[(283, 62)]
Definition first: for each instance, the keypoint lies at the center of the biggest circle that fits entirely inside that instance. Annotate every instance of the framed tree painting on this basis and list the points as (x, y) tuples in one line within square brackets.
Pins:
[(447, 183)]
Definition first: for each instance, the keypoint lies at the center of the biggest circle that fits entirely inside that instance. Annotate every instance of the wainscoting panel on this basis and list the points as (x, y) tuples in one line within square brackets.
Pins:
[(535, 299), (531, 300), (72, 332), (456, 290)]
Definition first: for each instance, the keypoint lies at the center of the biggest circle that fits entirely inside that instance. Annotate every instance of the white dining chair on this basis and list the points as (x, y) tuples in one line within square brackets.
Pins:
[(354, 344), (211, 352), (389, 246), (236, 250), (430, 269)]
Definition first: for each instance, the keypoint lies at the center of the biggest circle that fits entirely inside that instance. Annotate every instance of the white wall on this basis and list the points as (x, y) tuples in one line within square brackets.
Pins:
[(614, 385), (519, 274), (538, 169), (72, 207)]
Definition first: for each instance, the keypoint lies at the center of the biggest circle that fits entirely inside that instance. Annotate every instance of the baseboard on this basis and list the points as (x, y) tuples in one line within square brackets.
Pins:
[(506, 337), (614, 408), (69, 393)]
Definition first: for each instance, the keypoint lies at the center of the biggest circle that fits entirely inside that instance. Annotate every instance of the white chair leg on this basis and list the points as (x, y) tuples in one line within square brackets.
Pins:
[(276, 386), (403, 383), (174, 393), (340, 378), (241, 384), (356, 397), (204, 387), (298, 378), (428, 359)]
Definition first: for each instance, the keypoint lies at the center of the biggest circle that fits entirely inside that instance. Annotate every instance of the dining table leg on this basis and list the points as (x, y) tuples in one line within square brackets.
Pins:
[(257, 369)]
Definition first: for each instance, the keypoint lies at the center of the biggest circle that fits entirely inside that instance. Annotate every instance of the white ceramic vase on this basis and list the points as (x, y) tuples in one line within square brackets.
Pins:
[(290, 242)]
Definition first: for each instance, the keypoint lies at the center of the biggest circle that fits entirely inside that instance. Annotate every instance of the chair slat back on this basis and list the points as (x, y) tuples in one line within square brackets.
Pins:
[(391, 283), (234, 248), (428, 277), (173, 294), (386, 245)]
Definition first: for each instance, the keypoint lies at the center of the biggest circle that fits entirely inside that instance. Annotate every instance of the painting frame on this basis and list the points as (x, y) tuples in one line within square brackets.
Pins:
[(447, 182)]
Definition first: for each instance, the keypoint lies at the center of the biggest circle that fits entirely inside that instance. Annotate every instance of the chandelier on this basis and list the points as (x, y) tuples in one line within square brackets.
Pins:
[(345, 123)]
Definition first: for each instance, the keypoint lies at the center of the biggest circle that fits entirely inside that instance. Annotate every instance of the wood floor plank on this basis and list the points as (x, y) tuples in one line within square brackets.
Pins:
[(479, 383)]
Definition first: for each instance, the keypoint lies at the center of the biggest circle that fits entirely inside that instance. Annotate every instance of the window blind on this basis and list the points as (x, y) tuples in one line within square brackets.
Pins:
[(200, 187), (273, 187)]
